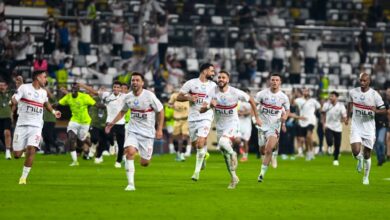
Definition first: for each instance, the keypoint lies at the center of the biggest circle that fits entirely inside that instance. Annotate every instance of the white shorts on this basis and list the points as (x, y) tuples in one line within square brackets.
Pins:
[(265, 133), (144, 145), (26, 136), (169, 129), (231, 131), (366, 142), (80, 130), (245, 129), (199, 129)]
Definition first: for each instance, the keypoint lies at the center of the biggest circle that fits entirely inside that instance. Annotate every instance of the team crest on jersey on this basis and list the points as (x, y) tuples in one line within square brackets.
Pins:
[(273, 100), (36, 95), (362, 98), (136, 102), (203, 87), (223, 100)]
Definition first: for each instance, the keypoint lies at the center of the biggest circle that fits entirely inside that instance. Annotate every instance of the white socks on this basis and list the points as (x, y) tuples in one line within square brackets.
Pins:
[(73, 154), (7, 153), (130, 170), (263, 170), (359, 156), (26, 170), (367, 167), (200, 153)]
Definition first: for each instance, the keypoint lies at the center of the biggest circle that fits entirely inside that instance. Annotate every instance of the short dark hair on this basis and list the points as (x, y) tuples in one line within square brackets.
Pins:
[(205, 66), (276, 74), (116, 82), (37, 73), (125, 84), (138, 74), (335, 93), (226, 72)]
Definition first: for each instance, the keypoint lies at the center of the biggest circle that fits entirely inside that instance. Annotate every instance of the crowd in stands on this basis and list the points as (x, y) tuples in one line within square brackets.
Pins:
[(105, 41)]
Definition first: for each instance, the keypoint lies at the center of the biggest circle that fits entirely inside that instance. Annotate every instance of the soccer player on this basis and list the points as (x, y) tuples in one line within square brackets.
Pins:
[(194, 91), (273, 109), (364, 103), (307, 107), (180, 127), (30, 100), (333, 113), (141, 130), (5, 118), (245, 113), (224, 99), (114, 102), (78, 126)]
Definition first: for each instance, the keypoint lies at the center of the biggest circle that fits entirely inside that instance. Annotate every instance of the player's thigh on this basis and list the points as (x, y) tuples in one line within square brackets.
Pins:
[(83, 132), (34, 137), (19, 141), (145, 148), (184, 127), (131, 142)]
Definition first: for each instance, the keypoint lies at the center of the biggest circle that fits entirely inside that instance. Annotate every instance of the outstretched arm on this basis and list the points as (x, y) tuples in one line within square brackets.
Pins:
[(118, 117), (88, 88)]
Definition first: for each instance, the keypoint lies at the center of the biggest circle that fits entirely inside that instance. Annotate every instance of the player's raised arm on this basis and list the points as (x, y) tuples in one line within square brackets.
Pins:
[(89, 89)]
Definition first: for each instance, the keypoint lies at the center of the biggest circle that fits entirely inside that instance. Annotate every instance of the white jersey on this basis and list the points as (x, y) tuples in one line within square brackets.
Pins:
[(30, 105), (196, 87), (143, 116), (270, 108), (334, 114), (245, 107), (307, 109), (363, 118), (226, 115), (114, 105)]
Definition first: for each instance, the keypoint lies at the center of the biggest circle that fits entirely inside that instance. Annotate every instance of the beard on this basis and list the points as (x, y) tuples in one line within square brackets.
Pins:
[(210, 77), (221, 85)]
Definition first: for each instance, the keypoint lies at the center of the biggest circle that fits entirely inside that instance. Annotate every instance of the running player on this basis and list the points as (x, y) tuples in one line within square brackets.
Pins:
[(364, 103), (78, 126), (307, 107), (30, 100), (194, 91), (273, 109), (224, 99), (113, 101), (333, 113), (245, 113), (141, 130)]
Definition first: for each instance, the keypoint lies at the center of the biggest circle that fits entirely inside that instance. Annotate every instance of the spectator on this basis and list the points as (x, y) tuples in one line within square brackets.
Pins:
[(85, 37), (381, 73), (64, 70), (117, 8), (245, 16), (310, 49), (201, 43), (74, 43), (40, 63), (362, 45), (3, 30), (7, 66), (239, 50), (49, 36), (295, 69), (176, 74), (152, 50), (117, 36), (54, 62), (162, 32), (30, 49), (63, 36), (104, 78), (20, 46), (279, 48), (91, 10), (387, 103), (261, 45), (128, 43)]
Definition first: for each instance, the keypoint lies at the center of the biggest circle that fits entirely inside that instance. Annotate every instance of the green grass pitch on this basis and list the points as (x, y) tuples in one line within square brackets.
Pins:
[(295, 190)]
